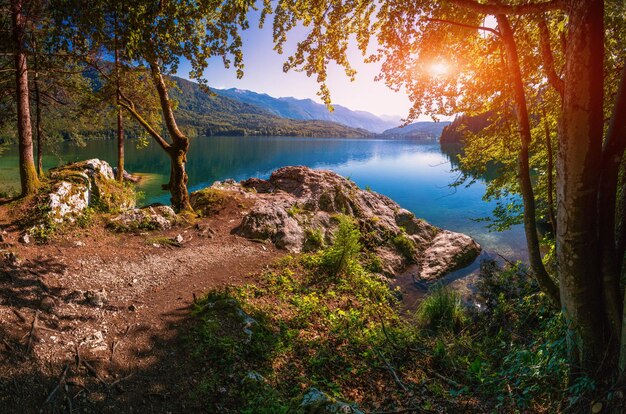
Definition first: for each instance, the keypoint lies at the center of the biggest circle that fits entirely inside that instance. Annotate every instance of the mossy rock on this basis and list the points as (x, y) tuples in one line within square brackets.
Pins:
[(208, 201)]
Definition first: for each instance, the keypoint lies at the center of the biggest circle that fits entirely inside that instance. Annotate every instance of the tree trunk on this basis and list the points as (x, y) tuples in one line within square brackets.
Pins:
[(578, 166), (550, 166), (120, 125), (39, 128), (28, 173), (548, 286), (612, 154), (178, 180), (179, 148)]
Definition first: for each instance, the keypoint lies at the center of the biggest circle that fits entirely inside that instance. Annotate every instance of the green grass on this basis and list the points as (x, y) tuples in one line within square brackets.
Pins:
[(405, 245), (342, 335), (442, 309)]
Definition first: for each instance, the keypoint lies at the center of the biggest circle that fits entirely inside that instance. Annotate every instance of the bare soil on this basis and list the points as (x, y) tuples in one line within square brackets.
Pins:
[(96, 321)]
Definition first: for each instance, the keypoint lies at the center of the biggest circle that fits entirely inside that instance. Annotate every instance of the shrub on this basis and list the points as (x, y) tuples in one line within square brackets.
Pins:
[(405, 245), (342, 256), (442, 310), (313, 240)]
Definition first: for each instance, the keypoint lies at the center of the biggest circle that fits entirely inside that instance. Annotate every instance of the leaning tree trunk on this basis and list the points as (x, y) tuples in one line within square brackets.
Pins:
[(179, 147), (28, 173), (547, 285), (578, 167)]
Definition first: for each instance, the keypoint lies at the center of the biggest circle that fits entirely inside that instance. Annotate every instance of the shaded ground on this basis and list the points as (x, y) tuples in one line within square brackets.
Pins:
[(97, 321)]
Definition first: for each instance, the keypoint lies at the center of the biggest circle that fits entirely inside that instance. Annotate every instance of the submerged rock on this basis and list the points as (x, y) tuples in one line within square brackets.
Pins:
[(297, 202)]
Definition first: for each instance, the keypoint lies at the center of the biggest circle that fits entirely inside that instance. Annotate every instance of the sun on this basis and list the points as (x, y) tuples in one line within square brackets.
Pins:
[(439, 69)]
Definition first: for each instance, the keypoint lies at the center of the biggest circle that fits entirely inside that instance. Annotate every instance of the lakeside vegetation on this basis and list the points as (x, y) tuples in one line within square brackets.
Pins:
[(549, 74)]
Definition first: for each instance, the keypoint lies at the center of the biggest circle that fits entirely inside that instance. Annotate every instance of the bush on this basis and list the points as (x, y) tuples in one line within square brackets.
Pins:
[(405, 245), (313, 240), (342, 256), (442, 310)]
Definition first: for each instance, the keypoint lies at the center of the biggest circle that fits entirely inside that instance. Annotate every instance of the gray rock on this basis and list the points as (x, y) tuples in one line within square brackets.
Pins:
[(271, 221), (24, 238), (317, 402), (147, 218), (253, 377), (96, 167), (449, 251), (297, 199), (76, 188), (68, 200)]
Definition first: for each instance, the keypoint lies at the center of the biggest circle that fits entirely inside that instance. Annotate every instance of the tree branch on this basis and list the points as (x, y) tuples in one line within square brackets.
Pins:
[(467, 26), (166, 107), (548, 58), (130, 107), (506, 9)]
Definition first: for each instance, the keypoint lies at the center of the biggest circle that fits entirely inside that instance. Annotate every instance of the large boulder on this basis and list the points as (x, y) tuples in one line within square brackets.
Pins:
[(85, 184), (448, 251), (297, 202)]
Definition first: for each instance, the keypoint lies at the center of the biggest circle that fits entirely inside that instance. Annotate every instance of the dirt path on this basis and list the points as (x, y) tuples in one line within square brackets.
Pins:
[(111, 311)]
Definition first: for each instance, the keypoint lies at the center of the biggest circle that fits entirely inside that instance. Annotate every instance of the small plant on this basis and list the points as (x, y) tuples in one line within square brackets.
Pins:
[(373, 263), (342, 256), (442, 310), (405, 245), (294, 210), (368, 188), (313, 240)]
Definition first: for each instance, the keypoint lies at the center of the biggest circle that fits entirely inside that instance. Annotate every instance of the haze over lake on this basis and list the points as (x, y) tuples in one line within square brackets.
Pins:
[(415, 175)]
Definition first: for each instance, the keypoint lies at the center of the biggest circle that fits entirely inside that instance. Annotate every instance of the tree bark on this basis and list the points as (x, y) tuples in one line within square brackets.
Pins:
[(550, 166), (120, 125), (578, 165), (39, 128), (28, 173), (179, 147), (548, 286), (612, 154)]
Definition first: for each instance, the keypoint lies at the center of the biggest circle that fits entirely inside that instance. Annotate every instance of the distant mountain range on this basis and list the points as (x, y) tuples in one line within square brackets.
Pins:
[(241, 112), (418, 130), (214, 114), (306, 109)]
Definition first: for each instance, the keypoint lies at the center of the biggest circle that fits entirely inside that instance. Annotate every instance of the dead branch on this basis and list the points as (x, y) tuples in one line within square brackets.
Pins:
[(60, 383), (392, 371), (33, 331), (19, 315), (93, 372)]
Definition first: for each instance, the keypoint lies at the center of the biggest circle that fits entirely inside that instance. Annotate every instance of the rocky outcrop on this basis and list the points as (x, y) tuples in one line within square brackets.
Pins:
[(147, 218), (84, 184), (298, 201)]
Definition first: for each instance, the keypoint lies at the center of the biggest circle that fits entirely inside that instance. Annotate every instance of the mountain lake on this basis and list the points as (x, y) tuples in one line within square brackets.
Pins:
[(415, 175)]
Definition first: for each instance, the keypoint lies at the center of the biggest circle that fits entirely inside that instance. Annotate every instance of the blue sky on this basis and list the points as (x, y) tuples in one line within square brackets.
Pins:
[(263, 73)]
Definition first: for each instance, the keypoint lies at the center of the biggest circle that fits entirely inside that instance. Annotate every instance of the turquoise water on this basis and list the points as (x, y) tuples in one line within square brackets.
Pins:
[(415, 175)]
